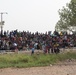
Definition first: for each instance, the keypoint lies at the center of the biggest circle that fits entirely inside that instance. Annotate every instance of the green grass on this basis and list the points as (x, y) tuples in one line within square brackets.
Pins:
[(23, 60)]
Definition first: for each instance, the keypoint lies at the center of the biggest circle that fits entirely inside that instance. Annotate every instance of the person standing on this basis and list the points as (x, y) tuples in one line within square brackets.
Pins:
[(32, 48)]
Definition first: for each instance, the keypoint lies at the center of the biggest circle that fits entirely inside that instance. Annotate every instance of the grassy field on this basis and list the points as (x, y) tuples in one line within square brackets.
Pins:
[(23, 60)]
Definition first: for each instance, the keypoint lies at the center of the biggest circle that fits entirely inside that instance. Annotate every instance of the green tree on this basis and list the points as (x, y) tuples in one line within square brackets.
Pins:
[(67, 19), (73, 1)]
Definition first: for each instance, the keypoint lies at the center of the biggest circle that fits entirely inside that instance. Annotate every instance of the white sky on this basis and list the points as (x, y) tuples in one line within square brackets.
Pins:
[(31, 15)]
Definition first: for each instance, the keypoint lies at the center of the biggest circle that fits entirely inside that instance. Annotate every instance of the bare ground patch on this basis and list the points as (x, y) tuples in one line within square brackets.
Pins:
[(61, 69)]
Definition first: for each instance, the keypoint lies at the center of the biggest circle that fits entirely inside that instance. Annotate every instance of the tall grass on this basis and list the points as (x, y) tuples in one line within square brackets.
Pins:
[(23, 60)]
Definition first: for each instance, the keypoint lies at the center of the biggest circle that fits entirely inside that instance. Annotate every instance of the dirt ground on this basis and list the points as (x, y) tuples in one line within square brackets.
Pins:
[(48, 70)]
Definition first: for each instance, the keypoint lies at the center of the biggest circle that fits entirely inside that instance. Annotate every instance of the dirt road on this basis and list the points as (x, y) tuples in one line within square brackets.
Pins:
[(49, 70)]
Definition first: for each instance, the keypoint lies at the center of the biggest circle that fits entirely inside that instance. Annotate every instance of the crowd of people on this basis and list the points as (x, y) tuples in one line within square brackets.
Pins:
[(29, 41)]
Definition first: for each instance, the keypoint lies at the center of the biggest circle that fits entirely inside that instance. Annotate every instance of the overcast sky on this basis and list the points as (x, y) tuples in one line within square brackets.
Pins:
[(31, 15)]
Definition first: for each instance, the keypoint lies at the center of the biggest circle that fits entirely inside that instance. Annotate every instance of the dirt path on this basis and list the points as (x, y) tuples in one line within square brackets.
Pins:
[(49, 70)]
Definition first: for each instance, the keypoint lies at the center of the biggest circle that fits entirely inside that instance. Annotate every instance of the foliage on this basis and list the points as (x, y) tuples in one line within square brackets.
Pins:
[(73, 1), (67, 18)]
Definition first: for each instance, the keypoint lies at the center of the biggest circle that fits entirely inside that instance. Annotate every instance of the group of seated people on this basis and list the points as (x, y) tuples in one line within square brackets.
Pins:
[(41, 41)]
